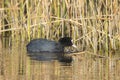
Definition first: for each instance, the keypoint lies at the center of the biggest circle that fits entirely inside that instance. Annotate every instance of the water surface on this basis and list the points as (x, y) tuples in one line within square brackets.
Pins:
[(15, 64)]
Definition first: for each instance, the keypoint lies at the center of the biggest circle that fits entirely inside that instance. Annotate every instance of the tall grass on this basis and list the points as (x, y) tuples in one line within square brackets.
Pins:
[(93, 24)]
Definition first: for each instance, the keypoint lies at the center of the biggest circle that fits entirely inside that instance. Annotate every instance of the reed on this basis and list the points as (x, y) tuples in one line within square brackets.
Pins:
[(94, 25)]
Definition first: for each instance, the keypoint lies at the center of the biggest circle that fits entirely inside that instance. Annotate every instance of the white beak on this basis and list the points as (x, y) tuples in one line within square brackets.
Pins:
[(74, 46)]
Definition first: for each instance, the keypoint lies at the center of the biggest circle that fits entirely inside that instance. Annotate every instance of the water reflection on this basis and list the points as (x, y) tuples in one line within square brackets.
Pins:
[(15, 64), (61, 57)]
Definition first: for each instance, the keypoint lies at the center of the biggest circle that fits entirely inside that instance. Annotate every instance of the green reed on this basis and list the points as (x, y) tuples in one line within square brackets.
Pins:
[(93, 25)]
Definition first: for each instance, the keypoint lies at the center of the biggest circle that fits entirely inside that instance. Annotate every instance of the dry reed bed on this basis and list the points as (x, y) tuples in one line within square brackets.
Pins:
[(92, 24)]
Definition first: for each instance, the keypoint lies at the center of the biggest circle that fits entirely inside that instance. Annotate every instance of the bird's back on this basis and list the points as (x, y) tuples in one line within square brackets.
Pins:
[(44, 45)]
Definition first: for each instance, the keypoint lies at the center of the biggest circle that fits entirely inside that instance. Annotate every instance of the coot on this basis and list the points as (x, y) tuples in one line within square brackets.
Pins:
[(44, 45)]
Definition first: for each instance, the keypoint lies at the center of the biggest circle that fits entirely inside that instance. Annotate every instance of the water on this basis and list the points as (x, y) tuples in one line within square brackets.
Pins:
[(15, 64)]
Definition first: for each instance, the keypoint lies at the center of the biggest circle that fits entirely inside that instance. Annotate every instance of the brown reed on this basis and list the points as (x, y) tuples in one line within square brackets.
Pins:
[(93, 24)]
